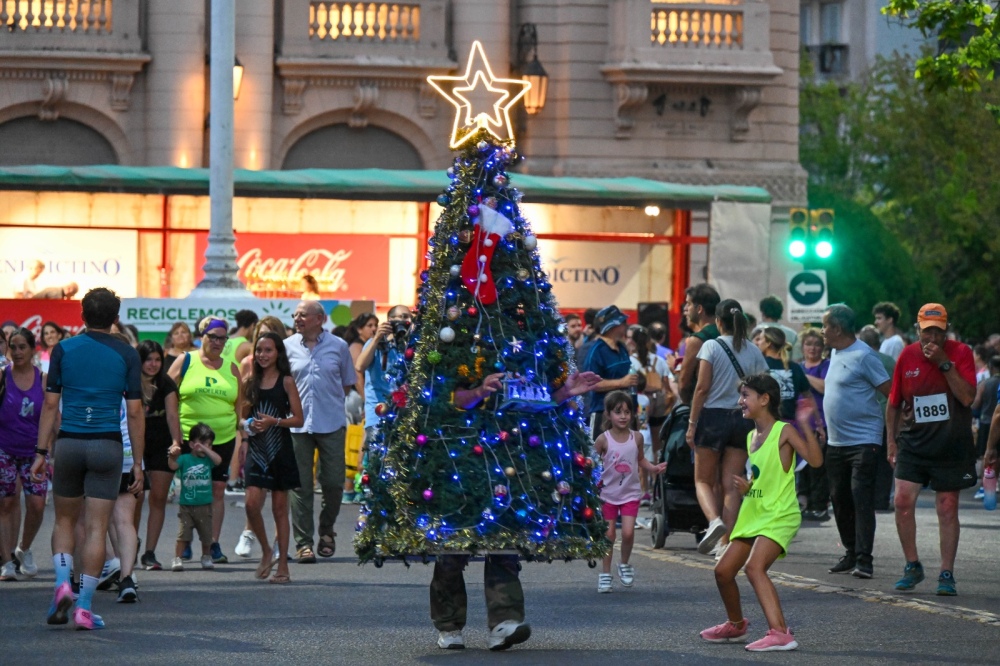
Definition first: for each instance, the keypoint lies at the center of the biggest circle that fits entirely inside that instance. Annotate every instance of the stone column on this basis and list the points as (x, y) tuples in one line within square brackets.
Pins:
[(254, 36), (175, 83), (489, 22), (220, 257)]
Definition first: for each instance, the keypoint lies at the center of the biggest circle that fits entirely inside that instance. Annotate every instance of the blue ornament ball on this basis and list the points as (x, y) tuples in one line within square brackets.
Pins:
[(443, 200)]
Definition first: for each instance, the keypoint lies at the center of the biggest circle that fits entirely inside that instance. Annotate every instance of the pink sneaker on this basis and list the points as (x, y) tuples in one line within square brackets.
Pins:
[(62, 601), (774, 640), (727, 632), (84, 619)]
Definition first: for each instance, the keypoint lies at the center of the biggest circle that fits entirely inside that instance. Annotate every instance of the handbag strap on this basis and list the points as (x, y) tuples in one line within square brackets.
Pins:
[(732, 357)]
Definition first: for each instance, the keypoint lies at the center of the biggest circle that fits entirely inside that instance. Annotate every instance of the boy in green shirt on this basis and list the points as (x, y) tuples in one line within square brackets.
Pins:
[(195, 499)]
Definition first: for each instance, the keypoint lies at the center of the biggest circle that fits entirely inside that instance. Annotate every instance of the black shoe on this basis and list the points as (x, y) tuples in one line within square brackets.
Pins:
[(817, 516), (845, 565), (149, 563), (126, 591), (863, 571)]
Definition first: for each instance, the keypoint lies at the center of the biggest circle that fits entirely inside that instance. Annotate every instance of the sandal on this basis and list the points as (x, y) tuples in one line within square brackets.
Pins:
[(305, 555), (327, 545), (264, 570), (280, 579)]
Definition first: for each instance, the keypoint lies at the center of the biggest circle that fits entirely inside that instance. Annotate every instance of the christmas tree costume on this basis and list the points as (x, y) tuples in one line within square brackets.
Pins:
[(482, 449)]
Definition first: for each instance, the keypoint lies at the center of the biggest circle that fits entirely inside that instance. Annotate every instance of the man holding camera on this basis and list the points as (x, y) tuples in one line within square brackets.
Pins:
[(376, 361)]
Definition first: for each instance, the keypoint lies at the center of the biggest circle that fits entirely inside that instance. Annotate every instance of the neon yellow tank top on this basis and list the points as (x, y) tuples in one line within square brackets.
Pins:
[(770, 509), (209, 396), (232, 344)]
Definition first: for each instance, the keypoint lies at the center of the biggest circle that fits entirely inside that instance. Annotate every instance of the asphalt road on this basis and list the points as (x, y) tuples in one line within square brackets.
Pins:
[(336, 612)]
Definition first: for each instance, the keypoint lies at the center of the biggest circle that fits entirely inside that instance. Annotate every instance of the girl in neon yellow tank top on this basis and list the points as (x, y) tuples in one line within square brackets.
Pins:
[(769, 516)]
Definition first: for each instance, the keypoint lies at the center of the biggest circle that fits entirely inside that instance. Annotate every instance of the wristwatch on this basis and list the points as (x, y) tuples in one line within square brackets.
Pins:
[(946, 366)]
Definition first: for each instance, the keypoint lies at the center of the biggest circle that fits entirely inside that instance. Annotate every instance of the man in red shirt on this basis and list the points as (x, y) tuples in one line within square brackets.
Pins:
[(929, 426)]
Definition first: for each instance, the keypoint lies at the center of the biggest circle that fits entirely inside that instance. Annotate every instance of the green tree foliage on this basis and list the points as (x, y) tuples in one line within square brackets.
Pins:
[(503, 475), (969, 34), (891, 154)]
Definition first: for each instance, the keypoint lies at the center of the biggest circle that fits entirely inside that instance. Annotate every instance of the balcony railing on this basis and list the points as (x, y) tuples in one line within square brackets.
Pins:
[(86, 16), (697, 26), (70, 25), (722, 41), (334, 30), (395, 23)]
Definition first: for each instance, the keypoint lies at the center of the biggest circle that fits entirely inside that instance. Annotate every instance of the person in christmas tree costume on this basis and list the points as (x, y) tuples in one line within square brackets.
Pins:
[(482, 448)]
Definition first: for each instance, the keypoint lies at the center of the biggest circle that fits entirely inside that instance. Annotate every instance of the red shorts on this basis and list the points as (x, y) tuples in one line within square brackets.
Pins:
[(612, 511)]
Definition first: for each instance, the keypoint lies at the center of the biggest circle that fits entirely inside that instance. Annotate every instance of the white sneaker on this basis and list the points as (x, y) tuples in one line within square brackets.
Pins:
[(603, 583), (206, 562), (109, 574), (508, 633), (8, 571), (177, 564), (715, 530), (28, 567), (626, 574), (244, 547), (451, 640), (720, 550)]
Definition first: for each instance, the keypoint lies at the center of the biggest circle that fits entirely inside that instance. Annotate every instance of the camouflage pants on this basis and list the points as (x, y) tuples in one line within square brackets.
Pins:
[(504, 596)]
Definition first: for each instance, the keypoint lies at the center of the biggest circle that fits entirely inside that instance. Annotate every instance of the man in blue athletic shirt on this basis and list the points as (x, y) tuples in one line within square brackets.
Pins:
[(90, 373)]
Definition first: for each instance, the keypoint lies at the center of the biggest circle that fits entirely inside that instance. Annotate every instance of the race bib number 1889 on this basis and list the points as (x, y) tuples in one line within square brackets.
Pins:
[(930, 408)]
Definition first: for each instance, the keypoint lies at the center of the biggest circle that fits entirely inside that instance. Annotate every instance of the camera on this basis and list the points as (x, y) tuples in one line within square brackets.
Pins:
[(400, 329)]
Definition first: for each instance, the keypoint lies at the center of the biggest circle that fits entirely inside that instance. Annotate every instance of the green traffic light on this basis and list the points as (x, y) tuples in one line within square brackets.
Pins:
[(824, 249), (797, 249)]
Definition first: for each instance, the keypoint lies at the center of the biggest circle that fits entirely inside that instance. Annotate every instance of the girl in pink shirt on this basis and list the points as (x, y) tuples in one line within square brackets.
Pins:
[(621, 451)]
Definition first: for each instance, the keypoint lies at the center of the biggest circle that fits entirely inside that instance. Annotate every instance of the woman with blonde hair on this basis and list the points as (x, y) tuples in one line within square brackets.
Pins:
[(790, 376)]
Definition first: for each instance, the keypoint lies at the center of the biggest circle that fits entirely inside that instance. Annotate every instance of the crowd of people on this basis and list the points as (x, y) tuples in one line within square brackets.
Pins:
[(102, 422), (871, 416), (859, 419)]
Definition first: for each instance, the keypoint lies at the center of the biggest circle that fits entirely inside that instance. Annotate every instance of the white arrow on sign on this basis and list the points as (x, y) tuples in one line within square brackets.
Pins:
[(802, 288)]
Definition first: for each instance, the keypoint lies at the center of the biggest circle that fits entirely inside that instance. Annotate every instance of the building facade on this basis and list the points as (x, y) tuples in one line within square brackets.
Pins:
[(701, 93), (843, 38)]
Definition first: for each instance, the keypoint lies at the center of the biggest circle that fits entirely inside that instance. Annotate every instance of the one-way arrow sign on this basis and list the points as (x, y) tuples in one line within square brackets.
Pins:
[(804, 289), (807, 297)]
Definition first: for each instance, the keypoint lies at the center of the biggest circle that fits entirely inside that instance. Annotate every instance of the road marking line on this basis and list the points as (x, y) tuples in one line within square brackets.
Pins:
[(811, 584)]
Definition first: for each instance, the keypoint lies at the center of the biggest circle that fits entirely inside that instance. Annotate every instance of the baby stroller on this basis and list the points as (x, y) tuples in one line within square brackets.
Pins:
[(675, 504)]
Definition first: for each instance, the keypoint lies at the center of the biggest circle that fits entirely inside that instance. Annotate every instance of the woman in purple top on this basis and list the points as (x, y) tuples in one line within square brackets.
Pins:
[(21, 388), (812, 480)]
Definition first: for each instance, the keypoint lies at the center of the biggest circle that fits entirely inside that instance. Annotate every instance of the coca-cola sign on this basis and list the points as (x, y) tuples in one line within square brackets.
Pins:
[(33, 313), (346, 267)]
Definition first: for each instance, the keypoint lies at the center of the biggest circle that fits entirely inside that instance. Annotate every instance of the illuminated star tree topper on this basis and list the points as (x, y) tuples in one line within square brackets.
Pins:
[(481, 100)]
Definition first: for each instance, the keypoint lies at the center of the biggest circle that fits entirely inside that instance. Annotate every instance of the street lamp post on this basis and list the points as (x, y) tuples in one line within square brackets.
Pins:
[(221, 271)]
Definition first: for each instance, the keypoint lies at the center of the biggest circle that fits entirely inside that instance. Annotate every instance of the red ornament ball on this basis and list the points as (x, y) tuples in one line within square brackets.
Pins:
[(580, 460), (365, 479), (408, 354), (589, 463), (504, 435), (587, 513), (381, 409), (472, 311), (478, 449), (399, 398)]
